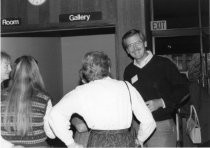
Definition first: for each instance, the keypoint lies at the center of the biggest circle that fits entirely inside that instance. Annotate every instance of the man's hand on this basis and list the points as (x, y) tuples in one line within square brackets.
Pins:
[(79, 124), (154, 104)]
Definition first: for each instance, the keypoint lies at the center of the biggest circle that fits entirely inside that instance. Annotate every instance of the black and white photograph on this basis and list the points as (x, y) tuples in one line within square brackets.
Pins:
[(105, 73)]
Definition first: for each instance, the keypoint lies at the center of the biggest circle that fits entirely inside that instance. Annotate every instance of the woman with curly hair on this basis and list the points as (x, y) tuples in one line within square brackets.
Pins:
[(106, 104)]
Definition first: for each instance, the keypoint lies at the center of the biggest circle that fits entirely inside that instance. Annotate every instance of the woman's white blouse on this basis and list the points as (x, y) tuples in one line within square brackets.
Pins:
[(105, 105)]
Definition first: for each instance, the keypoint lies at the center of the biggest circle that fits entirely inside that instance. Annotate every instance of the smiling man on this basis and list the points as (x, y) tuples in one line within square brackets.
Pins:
[(159, 82)]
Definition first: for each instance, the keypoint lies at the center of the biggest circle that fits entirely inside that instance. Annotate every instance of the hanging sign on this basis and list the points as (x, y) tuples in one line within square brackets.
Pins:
[(84, 16), (158, 25)]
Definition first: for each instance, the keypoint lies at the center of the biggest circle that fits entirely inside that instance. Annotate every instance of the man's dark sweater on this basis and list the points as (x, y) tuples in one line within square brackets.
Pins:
[(159, 78)]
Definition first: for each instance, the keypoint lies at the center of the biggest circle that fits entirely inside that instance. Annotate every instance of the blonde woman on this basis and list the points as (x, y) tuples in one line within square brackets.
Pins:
[(25, 106), (5, 72), (106, 104)]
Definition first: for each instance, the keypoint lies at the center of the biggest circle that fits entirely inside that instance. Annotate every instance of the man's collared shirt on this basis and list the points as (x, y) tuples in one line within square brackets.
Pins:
[(145, 61)]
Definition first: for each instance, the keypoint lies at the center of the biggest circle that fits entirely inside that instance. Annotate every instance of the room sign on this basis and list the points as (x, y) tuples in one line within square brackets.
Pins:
[(10, 21), (158, 25), (83, 16)]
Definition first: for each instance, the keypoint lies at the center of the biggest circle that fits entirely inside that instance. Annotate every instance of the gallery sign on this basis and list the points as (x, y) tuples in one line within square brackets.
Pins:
[(10, 21), (83, 16)]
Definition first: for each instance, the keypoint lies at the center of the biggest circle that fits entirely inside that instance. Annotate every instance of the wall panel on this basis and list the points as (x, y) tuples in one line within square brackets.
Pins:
[(74, 49), (46, 16), (47, 52)]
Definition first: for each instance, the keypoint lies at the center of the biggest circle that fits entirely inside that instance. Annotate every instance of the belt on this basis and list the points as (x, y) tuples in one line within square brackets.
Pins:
[(110, 131)]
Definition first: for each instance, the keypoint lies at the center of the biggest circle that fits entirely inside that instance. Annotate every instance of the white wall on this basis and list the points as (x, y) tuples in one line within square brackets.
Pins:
[(47, 51), (73, 50)]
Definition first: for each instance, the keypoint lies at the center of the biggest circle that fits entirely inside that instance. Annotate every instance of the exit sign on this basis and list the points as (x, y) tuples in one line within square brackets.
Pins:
[(158, 25)]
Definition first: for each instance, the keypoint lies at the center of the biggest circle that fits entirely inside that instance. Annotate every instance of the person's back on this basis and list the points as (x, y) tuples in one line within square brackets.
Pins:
[(104, 95), (24, 106), (105, 104), (37, 136), (5, 72)]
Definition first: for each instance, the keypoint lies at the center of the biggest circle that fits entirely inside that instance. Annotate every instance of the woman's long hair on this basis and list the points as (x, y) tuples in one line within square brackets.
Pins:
[(26, 81)]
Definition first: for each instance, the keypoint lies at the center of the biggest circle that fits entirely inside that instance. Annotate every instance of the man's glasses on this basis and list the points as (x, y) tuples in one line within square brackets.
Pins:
[(135, 45)]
